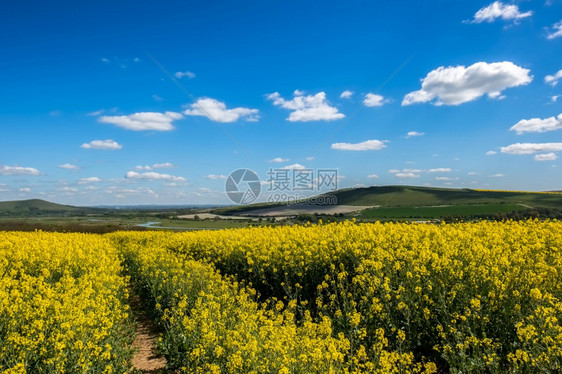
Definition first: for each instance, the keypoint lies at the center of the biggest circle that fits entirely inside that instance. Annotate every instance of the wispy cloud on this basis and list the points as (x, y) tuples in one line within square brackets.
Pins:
[(554, 78), (216, 110), (104, 145), (89, 180), (69, 167), (181, 74), (346, 94), (538, 125), (95, 113), (546, 157), (165, 165), (154, 176), (499, 10), (555, 31), (411, 134), (18, 170), (530, 148), (368, 145), (294, 167), (440, 170), (459, 84), (307, 108), (491, 153), (279, 160), (143, 121), (216, 176)]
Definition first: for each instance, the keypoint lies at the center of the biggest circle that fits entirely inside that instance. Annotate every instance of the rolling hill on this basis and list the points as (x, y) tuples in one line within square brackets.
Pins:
[(35, 207), (415, 202)]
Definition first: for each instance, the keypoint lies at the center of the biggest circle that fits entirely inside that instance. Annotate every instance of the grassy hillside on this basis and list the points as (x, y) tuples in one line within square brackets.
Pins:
[(35, 207), (405, 196), (411, 201)]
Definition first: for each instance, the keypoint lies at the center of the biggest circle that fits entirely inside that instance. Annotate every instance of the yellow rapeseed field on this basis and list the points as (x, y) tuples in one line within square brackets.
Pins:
[(480, 297), (62, 305)]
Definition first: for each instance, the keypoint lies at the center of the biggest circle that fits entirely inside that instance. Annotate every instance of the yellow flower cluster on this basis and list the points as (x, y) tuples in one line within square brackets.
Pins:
[(341, 297), (213, 324), (466, 297), (62, 305)]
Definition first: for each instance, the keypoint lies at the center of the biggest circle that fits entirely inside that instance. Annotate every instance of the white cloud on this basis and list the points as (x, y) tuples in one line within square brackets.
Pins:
[(368, 145), (499, 10), (279, 160), (446, 178), (554, 78), (455, 85), (530, 148), (307, 108), (472, 173), (105, 145), (310, 158), (89, 180), (538, 125), (499, 175), (372, 100), (25, 189), (546, 156), (157, 98), (69, 167), (294, 167), (215, 176), (165, 165), (554, 98), (440, 170), (95, 113), (154, 176), (556, 31), (346, 94), (491, 153), (181, 74), (406, 175), (18, 170), (411, 134), (372, 176), (144, 121), (216, 110)]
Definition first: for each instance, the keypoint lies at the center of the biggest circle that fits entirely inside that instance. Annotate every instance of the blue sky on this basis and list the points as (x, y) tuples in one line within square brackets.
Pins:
[(146, 102)]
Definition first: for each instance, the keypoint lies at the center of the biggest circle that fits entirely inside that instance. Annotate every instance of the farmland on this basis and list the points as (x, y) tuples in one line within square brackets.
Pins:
[(338, 297)]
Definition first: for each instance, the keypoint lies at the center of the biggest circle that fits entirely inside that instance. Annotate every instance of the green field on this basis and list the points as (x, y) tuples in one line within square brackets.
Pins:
[(397, 196), (440, 211)]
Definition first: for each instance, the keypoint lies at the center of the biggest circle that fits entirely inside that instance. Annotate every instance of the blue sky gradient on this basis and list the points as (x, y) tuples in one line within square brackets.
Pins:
[(272, 75)]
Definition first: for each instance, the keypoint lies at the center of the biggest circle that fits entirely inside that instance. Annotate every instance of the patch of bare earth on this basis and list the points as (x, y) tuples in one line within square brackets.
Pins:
[(146, 359)]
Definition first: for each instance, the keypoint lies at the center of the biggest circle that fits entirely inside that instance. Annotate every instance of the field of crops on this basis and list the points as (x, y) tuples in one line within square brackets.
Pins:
[(465, 297)]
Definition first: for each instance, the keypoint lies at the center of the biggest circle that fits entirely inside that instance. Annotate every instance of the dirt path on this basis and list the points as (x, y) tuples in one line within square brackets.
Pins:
[(146, 359)]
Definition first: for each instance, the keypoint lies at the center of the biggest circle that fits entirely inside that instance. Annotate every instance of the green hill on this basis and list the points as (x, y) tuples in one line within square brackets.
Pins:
[(35, 207), (395, 202), (403, 196)]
